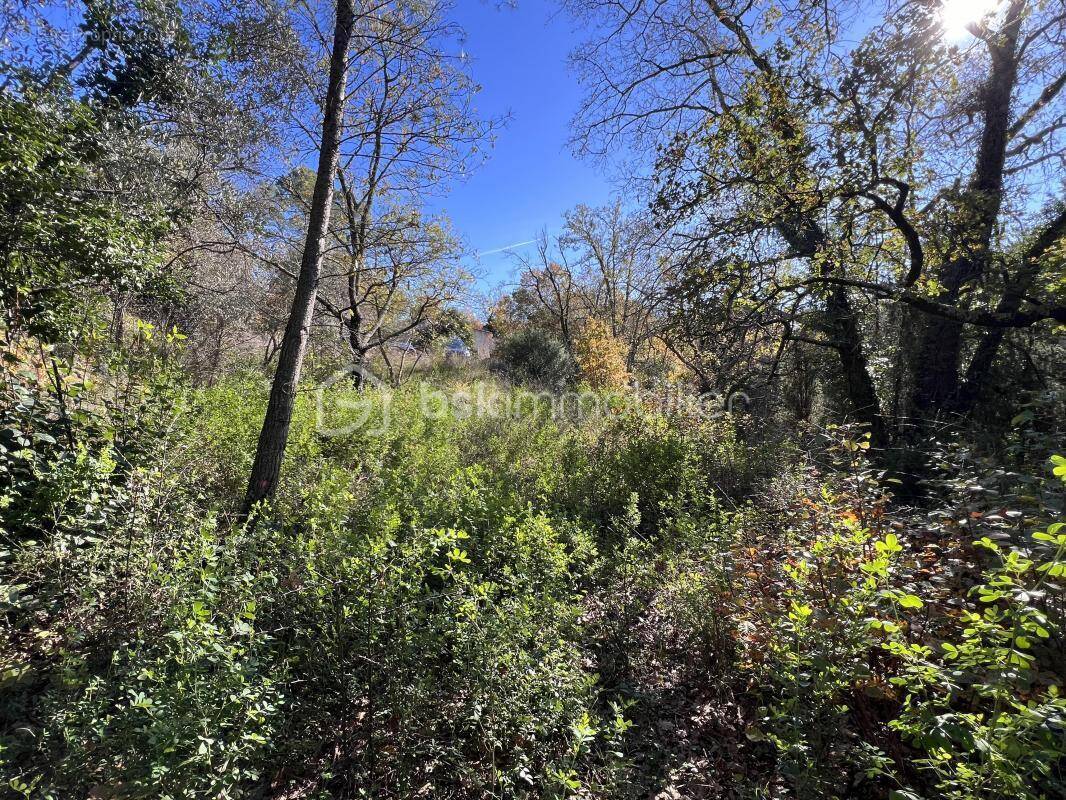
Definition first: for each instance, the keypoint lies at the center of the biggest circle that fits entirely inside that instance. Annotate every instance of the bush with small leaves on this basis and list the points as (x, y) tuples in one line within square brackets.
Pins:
[(535, 358)]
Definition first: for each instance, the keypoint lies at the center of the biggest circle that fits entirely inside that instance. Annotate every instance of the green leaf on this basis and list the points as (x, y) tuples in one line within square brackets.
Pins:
[(1060, 466), (1025, 416), (909, 601)]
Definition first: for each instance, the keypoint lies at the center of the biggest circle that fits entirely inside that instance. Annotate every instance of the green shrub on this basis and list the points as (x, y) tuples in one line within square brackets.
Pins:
[(535, 358), (889, 669), (64, 241), (534, 605)]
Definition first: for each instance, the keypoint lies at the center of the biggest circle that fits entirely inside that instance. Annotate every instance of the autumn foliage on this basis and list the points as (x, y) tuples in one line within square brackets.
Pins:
[(600, 356)]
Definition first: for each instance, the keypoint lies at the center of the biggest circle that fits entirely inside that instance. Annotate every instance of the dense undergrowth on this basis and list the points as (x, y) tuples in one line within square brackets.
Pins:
[(457, 605)]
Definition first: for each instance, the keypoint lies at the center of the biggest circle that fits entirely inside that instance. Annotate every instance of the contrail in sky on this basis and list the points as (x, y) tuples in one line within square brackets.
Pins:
[(502, 249)]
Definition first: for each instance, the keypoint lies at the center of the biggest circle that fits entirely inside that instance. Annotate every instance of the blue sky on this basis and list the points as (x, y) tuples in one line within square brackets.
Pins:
[(518, 56)]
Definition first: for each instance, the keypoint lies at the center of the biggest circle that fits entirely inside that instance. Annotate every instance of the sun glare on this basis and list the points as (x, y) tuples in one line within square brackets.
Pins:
[(956, 15)]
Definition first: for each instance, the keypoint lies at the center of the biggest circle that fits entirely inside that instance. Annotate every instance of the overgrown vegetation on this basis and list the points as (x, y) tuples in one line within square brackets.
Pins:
[(524, 606), (685, 516)]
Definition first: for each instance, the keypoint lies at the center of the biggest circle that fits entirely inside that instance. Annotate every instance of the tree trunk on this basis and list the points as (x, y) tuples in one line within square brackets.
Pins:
[(936, 375), (859, 385), (358, 348), (118, 319), (807, 238), (977, 374), (274, 436), (937, 385)]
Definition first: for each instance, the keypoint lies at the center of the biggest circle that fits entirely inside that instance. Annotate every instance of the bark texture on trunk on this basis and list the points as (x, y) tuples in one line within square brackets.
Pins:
[(274, 436), (807, 239), (980, 369), (860, 388), (937, 385)]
